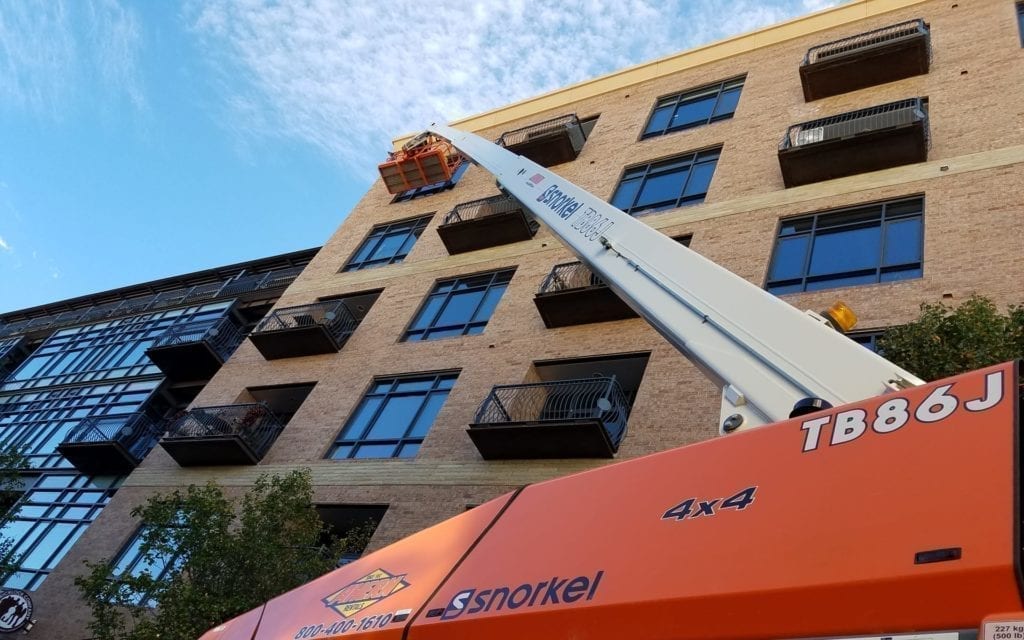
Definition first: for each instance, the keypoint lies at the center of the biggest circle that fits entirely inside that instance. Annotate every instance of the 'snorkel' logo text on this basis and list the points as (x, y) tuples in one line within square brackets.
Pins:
[(546, 592)]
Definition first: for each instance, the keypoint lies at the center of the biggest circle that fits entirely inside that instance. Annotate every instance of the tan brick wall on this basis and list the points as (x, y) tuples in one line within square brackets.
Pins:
[(972, 245)]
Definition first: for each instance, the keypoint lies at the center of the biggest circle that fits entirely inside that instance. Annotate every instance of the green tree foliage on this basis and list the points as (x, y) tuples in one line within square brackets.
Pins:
[(946, 341), (230, 558), (12, 461)]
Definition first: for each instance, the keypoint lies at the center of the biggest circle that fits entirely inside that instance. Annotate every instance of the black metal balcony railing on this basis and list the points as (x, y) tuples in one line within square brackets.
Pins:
[(865, 41), (253, 425), (568, 276), (855, 123), (866, 60), (550, 127), (135, 432), (485, 223), (564, 401), (275, 279), (12, 353), (483, 207), (333, 316), (222, 336), (572, 294), (547, 143)]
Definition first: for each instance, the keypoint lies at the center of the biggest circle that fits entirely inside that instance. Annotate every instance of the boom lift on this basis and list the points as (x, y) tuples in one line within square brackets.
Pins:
[(895, 515)]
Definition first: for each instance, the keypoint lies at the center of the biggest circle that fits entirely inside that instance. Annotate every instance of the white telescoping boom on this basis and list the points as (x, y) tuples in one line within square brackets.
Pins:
[(765, 355)]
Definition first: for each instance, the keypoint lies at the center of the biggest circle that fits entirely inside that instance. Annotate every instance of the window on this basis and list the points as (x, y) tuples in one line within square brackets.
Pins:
[(133, 562), (876, 243), (694, 108), (393, 417), (667, 184), (39, 421), (869, 339), (353, 523), (51, 517), (106, 350), (459, 307), (431, 189), (1020, 21), (387, 244)]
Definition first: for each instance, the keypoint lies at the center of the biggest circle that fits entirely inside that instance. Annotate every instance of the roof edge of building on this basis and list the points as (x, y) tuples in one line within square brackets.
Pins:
[(851, 11)]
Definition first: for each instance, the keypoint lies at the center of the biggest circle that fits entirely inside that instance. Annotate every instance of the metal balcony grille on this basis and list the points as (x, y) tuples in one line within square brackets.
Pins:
[(866, 41), (253, 423), (539, 130), (222, 335), (136, 432), (482, 208), (854, 123), (275, 279), (333, 316), (561, 401), (568, 276)]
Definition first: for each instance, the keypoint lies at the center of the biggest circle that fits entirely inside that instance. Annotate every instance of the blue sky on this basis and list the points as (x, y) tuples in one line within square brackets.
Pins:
[(145, 139)]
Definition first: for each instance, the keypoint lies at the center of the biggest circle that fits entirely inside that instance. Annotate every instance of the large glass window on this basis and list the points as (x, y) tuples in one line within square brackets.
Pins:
[(393, 417), (668, 184), (50, 518), (877, 243), (105, 350), (459, 307), (431, 189), (132, 561), (38, 421), (387, 244), (694, 108)]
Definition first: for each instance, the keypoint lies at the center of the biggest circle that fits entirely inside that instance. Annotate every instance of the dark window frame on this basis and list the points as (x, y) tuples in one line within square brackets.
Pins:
[(1020, 21), (416, 333), (868, 338), (431, 189), (782, 286), (132, 546), (377, 234), (657, 168), (675, 100), (348, 448), (71, 508)]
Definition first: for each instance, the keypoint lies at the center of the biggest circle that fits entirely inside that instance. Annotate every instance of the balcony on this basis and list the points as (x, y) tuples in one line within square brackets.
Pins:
[(872, 139), (486, 223), (12, 353), (584, 418), (310, 329), (572, 294), (865, 60), (547, 143), (110, 445), (195, 351), (225, 435)]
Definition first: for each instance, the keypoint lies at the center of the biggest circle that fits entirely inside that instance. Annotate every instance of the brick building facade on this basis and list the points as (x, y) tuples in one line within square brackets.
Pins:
[(938, 227)]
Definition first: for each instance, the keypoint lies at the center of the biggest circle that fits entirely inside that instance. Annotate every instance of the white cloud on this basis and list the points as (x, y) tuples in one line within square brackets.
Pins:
[(4, 246), (818, 5), (349, 76), (54, 51)]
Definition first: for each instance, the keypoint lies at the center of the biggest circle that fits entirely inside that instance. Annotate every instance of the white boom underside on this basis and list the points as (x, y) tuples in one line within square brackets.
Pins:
[(764, 354)]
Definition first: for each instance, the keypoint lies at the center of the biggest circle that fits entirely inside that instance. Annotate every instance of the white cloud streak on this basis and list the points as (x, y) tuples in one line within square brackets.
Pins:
[(4, 246), (348, 76), (54, 52)]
